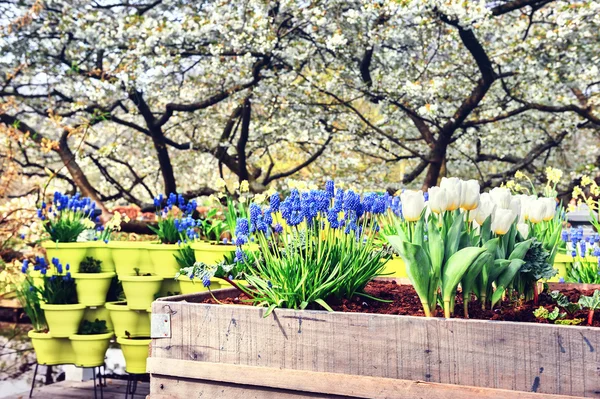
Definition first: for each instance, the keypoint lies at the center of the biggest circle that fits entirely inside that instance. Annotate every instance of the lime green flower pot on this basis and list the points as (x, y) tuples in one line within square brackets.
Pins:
[(90, 349), (98, 312), (169, 287), (395, 267), (135, 352), (163, 259), (51, 351), (140, 291), (92, 287), (68, 253), (63, 320), (101, 251), (562, 263), (125, 320), (211, 253), (187, 286), (129, 255)]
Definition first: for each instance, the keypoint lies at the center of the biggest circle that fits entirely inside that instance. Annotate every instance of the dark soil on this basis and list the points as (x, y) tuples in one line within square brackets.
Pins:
[(406, 302)]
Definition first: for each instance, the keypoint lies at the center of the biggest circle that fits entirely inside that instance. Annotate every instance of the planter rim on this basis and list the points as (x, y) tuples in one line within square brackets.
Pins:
[(187, 279), (212, 246), (224, 291), (59, 245), (159, 246), (133, 342), (39, 334), (98, 244), (73, 306), (140, 279), (94, 276), (91, 337), (127, 244), (118, 307)]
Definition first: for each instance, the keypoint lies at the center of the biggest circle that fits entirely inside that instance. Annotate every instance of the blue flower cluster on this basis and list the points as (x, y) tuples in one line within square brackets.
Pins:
[(580, 245), (42, 266), (174, 200), (66, 203), (341, 209), (187, 226)]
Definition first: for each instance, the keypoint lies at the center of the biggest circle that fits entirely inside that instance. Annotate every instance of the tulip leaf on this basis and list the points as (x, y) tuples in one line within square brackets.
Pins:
[(417, 265), (468, 281), (485, 231), (499, 266), (506, 278), (452, 239), (520, 249), (455, 269)]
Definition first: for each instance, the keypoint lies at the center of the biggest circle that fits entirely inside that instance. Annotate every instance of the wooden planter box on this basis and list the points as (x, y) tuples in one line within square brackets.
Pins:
[(232, 351)]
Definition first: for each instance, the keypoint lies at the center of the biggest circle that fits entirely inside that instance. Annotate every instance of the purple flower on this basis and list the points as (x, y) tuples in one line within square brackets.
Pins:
[(206, 280), (25, 266), (561, 280), (277, 228)]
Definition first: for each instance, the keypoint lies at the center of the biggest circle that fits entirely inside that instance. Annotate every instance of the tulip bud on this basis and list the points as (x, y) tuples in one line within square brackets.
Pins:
[(550, 209), (452, 185), (413, 204), (469, 195), (536, 210), (501, 197), (523, 229), (486, 208), (502, 220), (525, 204), (438, 199)]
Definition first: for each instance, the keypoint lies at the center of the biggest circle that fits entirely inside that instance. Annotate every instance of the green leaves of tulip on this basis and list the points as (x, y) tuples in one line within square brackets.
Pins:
[(418, 268), (454, 270)]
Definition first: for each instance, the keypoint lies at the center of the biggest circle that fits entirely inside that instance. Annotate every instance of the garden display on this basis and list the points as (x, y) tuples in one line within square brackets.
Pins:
[(313, 289)]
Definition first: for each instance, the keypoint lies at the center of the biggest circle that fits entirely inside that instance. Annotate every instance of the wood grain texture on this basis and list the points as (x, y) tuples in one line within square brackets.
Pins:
[(177, 378), (524, 357)]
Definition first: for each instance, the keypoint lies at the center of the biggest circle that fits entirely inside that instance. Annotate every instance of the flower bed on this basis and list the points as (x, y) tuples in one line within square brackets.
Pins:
[(338, 350)]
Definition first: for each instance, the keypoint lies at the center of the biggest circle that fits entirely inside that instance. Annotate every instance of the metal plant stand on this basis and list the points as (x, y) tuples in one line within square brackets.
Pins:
[(94, 374)]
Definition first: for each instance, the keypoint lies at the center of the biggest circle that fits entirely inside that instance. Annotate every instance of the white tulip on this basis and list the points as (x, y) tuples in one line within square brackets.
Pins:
[(502, 220), (550, 209), (486, 208), (452, 185), (469, 195), (525, 203), (523, 229), (501, 197), (536, 210), (515, 206), (413, 204), (438, 199)]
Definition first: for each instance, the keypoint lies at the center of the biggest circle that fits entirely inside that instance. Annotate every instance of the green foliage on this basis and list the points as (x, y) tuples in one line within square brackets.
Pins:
[(543, 313), (437, 262), (138, 273), (212, 227), (115, 291), (185, 256), (564, 302), (93, 327), (59, 290), (310, 265), (166, 231), (28, 297), (583, 271), (569, 322), (90, 265), (590, 302)]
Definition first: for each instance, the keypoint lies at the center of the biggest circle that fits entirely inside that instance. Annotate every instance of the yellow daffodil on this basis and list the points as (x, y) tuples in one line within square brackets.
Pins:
[(553, 175), (244, 186), (519, 175)]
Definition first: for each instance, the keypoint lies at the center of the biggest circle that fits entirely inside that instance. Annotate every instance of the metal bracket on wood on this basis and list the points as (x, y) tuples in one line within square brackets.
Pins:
[(160, 326)]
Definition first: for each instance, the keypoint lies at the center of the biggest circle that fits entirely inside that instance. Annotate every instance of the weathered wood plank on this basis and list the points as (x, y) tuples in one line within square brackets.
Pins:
[(177, 378), (502, 355)]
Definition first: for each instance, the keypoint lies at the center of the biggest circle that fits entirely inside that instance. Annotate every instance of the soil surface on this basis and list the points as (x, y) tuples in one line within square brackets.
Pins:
[(406, 302)]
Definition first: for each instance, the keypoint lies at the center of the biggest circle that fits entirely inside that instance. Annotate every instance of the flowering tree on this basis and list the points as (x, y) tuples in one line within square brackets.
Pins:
[(125, 100)]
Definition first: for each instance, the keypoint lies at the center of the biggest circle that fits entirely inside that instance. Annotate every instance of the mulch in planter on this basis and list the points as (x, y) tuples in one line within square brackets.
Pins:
[(406, 302)]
